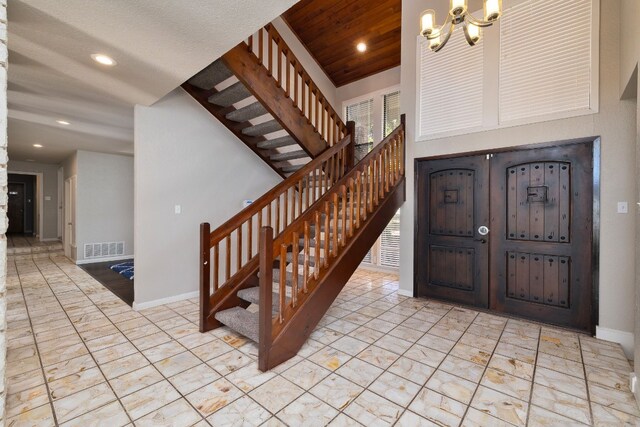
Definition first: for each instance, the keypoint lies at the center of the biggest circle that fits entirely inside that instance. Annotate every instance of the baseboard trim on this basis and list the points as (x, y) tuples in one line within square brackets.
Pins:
[(163, 301), (51, 239), (405, 293), (105, 259), (624, 338)]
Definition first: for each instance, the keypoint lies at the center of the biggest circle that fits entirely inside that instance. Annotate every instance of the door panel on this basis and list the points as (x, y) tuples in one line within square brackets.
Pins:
[(451, 257), (15, 208), (541, 247)]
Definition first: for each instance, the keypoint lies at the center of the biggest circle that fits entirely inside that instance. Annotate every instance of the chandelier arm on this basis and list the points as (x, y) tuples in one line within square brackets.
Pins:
[(447, 37), (479, 22), (467, 36), (436, 34)]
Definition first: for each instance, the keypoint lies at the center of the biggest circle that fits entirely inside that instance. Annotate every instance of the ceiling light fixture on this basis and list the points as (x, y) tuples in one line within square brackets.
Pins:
[(362, 47), (103, 59), (458, 14), (37, 145), (63, 122)]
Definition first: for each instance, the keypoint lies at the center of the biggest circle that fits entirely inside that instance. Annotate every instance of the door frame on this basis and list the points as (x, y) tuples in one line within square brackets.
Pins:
[(70, 205), (39, 199), (595, 249)]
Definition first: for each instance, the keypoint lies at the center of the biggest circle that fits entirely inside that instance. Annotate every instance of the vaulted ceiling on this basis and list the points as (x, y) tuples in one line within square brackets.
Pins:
[(331, 29)]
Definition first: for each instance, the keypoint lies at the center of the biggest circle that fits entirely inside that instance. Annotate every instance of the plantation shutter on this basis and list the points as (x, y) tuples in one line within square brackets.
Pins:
[(391, 119), (545, 58), (362, 114), (451, 86)]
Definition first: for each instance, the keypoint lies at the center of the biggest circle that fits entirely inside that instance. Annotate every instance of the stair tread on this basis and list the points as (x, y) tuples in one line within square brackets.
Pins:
[(229, 96), (252, 295), (291, 155), (212, 75), (241, 321), (262, 128), (283, 141), (291, 168), (247, 113)]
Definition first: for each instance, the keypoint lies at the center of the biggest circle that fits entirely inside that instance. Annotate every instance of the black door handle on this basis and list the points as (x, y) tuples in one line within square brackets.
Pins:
[(483, 241)]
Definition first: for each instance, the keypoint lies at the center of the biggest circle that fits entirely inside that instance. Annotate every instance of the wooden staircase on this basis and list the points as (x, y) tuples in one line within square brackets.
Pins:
[(292, 251), (262, 94)]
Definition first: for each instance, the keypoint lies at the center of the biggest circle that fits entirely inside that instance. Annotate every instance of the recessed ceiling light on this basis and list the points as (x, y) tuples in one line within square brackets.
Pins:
[(362, 47), (103, 59), (63, 122), (37, 145)]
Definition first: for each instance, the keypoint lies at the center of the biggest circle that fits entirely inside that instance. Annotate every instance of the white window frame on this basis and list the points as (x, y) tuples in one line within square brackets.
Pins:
[(491, 119)]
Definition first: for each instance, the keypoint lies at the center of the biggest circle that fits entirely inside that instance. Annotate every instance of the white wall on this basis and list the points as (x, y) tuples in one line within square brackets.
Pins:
[(70, 165), (104, 201), (367, 85), (184, 156), (50, 189), (629, 44), (615, 123), (316, 72)]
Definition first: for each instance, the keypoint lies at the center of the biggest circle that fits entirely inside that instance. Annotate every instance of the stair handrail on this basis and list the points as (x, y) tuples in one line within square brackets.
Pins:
[(297, 83), (277, 208), (378, 173)]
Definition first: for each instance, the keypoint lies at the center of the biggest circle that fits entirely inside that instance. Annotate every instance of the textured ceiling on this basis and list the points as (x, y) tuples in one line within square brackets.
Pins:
[(158, 45)]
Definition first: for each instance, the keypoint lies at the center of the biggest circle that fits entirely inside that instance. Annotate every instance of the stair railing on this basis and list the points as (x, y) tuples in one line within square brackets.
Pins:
[(228, 255), (338, 214), (274, 54)]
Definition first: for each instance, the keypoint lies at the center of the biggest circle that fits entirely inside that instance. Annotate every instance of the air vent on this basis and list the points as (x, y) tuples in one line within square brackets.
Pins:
[(103, 250)]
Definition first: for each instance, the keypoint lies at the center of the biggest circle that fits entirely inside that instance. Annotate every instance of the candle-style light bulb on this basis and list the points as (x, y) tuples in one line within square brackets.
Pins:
[(427, 22), (474, 32), (492, 10), (458, 7)]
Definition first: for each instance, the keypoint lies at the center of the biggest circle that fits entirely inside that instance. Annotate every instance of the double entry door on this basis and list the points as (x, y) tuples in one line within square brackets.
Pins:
[(510, 232)]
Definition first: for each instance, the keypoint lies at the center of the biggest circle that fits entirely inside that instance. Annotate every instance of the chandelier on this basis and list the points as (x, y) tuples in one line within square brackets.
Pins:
[(458, 14)]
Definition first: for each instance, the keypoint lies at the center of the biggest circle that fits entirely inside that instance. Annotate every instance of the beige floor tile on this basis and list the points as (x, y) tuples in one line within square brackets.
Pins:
[(561, 403), (475, 418), (135, 380), (212, 349), (242, 412), (214, 396), (561, 382), (411, 370), (471, 354), (452, 386), (349, 345), (438, 408), (40, 416), (539, 417), (614, 399), (177, 414), (330, 358), (123, 366), (306, 374), (359, 372), (149, 399), (395, 388), (307, 410), (410, 419), (276, 393), (83, 402), (194, 378), (229, 362), (507, 384), (500, 406), (74, 383), (559, 364), (372, 410), (607, 416), (26, 400), (112, 414), (463, 368), (344, 421), (249, 377), (426, 355), (336, 391)]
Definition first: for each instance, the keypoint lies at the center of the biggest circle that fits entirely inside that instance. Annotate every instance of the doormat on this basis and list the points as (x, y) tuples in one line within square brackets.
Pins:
[(124, 268)]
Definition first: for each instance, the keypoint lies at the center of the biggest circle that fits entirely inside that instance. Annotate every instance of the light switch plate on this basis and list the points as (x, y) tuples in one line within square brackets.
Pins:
[(623, 207), (178, 209)]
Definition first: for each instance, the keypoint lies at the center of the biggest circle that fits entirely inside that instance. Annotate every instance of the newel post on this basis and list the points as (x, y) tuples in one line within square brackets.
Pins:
[(205, 274), (351, 148), (265, 251)]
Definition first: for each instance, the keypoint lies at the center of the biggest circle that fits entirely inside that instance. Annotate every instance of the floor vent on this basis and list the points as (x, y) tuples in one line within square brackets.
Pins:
[(101, 250)]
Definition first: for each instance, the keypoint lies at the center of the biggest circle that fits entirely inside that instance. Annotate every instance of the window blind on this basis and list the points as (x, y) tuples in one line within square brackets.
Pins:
[(545, 58), (362, 114), (391, 116), (451, 86)]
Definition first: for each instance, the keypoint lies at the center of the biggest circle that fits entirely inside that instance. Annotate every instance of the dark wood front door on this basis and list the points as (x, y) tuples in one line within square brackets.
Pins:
[(15, 209), (452, 256), (536, 260)]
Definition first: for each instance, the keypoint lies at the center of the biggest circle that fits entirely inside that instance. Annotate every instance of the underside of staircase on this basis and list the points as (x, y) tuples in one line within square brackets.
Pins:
[(272, 271), (285, 122)]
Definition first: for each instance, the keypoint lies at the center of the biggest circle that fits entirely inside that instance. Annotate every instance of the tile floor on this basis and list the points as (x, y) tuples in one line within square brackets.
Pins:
[(79, 356)]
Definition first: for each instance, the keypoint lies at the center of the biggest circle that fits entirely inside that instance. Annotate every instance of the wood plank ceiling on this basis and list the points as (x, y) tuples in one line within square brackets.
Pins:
[(331, 29)]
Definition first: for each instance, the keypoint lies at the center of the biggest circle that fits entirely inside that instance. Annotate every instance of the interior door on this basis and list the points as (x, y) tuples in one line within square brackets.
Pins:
[(16, 206), (541, 245), (452, 217), (69, 216)]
